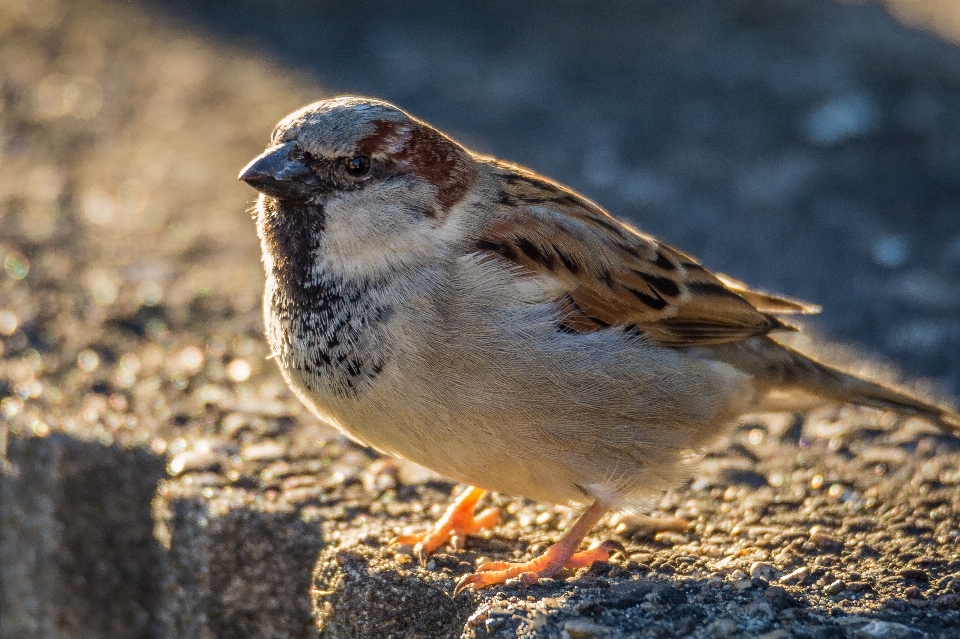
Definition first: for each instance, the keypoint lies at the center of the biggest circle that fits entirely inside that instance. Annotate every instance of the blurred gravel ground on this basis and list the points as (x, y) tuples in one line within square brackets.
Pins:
[(810, 147), (129, 299)]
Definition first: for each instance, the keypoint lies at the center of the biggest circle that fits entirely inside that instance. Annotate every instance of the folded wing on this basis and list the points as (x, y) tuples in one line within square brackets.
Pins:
[(607, 274)]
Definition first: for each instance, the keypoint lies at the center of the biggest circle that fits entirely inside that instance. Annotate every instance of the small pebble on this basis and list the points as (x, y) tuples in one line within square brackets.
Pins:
[(825, 542), (264, 450), (915, 574), (743, 584), (891, 251), (842, 117), (583, 629), (913, 593), (762, 570), (671, 538), (722, 628), (479, 616), (878, 629), (797, 576), (858, 586), (238, 370), (760, 610), (778, 596), (835, 588), (192, 461)]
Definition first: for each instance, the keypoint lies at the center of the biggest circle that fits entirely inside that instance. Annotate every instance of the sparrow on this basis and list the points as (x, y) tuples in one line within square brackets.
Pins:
[(503, 330)]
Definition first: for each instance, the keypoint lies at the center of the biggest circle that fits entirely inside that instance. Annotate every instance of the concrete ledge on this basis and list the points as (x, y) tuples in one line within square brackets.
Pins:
[(241, 525), (240, 573), (77, 552), (363, 591), (799, 537)]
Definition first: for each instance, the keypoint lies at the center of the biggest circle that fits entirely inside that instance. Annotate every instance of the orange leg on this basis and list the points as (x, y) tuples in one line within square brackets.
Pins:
[(557, 557), (458, 522)]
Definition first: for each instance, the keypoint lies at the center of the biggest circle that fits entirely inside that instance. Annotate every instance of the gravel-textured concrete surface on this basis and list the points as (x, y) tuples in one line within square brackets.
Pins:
[(159, 479), (77, 550), (129, 319), (832, 528), (234, 569)]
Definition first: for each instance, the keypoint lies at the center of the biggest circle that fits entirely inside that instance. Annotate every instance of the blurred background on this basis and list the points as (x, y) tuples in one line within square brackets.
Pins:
[(811, 148)]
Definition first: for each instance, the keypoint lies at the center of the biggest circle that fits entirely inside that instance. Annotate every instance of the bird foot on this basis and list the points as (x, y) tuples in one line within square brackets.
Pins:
[(458, 522), (552, 561)]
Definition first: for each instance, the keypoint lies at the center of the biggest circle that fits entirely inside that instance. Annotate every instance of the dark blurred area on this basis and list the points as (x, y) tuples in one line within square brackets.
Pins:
[(811, 147)]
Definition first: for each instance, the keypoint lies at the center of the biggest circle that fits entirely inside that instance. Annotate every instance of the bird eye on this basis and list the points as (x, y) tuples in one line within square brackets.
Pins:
[(359, 165)]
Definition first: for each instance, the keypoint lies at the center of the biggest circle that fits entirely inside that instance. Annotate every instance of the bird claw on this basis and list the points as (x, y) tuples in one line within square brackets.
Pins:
[(600, 552), (453, 528), (546, 565), (420, 554), (613, 547), (493, 576), (406, 540), (466, 580), (460, 521), (490, 566)]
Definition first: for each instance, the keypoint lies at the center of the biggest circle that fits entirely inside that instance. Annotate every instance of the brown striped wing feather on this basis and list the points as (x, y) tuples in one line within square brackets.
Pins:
[(609, 275)]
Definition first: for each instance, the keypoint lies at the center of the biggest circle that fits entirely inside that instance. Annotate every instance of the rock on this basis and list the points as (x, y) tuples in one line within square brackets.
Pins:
[(915, 574), (233, 564), (361, 592), (669, 538), (722, 628), (741, 477), (878, 629), (842, 117), (263, 451), (796, 577), (825, 542), (742, 584), (821, 631), (77, 552), (760, 610), (763, 570), (779, 597), (190, 461), (912, 592), (583, 629)]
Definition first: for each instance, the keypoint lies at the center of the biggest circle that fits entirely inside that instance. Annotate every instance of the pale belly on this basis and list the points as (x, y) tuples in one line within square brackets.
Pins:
[(536, 420)]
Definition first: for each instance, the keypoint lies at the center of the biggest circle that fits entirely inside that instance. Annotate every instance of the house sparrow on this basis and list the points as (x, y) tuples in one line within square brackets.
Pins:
[(503, 330)]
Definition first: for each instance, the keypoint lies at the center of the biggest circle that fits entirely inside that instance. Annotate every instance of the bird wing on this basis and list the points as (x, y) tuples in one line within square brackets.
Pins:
[(607, 274)]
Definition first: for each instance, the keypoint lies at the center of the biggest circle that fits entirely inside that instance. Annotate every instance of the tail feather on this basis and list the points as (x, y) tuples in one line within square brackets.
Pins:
[(865, 393), (778, 368), (811, 376)]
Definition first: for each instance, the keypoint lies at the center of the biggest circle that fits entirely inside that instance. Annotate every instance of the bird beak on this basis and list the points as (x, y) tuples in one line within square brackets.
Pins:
[(276, 174)]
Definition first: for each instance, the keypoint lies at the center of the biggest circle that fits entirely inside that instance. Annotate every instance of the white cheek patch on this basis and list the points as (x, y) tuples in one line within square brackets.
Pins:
[(370, 234)]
